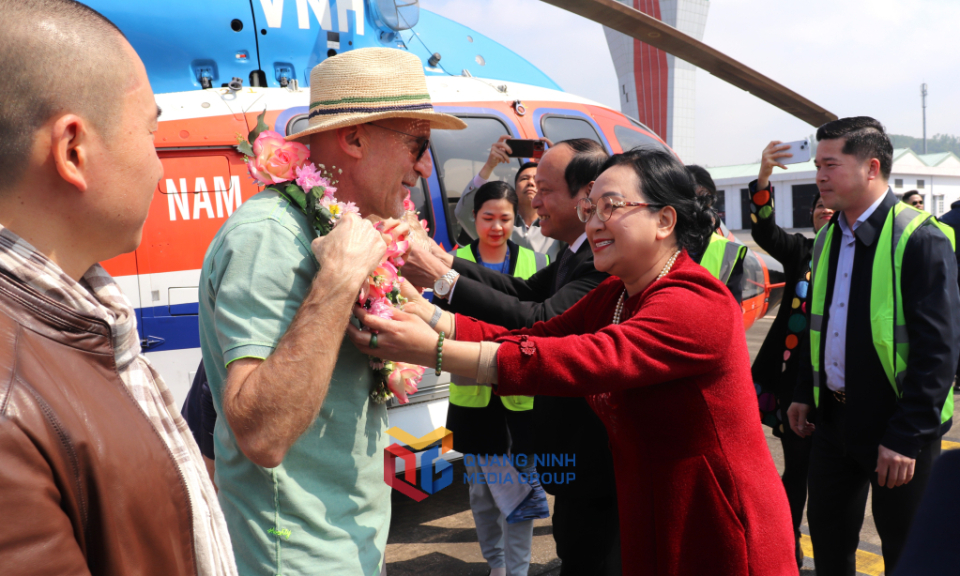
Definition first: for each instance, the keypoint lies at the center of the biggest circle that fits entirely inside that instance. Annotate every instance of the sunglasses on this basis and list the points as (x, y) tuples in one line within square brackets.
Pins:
[(422, 141), (916, 203), (605, 207)]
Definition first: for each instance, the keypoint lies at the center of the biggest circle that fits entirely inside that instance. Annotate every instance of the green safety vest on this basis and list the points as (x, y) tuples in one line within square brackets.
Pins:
[(476, 396), (887, 323), (721, 256)]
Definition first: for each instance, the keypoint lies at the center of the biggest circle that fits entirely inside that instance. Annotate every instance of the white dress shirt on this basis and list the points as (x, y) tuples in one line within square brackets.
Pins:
[(835, 349)]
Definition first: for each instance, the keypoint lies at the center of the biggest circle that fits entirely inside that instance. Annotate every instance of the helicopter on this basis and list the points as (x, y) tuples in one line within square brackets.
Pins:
[(215, 66)]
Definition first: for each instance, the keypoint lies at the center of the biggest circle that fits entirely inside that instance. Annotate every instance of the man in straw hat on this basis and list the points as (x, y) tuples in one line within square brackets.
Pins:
[(300, 445)]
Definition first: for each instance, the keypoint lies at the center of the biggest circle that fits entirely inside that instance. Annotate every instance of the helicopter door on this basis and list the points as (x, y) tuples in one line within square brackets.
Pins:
[(199, 190)]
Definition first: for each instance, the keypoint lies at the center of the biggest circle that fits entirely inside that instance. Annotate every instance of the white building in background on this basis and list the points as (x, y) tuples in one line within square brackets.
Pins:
[(656, 88), (936, 176)]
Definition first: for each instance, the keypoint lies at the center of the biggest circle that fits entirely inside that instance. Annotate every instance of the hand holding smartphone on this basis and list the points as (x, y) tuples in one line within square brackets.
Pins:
[(799, 149)]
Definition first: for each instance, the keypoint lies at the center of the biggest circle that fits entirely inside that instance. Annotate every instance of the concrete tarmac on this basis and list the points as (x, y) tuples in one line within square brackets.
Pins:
[(436, 537)]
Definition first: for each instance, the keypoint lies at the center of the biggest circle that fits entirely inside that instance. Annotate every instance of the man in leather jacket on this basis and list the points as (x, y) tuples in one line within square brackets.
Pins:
[(98, 472)]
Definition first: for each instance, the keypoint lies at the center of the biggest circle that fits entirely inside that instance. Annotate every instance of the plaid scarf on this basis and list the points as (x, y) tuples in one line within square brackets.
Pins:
[(98, 296)]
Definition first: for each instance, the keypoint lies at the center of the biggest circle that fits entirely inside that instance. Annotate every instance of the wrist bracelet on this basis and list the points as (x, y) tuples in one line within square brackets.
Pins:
[(439, 354), (437, 313)]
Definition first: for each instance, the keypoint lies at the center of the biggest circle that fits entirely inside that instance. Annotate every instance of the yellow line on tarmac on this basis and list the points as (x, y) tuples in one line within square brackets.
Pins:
[(867, 562), (948, 445)]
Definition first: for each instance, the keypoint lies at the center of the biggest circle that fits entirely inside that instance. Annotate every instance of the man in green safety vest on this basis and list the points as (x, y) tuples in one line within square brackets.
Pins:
[(722, 257), (882, 349)]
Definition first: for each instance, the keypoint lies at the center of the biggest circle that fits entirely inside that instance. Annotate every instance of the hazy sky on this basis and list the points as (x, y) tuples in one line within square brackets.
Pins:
[(853, 57)]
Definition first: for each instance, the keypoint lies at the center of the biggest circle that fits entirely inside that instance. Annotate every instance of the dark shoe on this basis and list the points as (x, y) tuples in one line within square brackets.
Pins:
[(533, 507)]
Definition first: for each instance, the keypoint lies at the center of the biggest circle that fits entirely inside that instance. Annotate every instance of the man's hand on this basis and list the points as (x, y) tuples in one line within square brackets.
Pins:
[(798, 413), (440, 254), (353, 249), (893, 469), (422, 268), (770, 158)]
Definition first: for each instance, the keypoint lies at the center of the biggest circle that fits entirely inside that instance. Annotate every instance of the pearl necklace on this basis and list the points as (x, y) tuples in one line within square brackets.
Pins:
[(666, 268)]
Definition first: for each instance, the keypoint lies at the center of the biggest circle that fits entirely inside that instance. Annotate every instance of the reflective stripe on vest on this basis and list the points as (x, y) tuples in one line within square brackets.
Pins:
[(721, 257), (887, 322), (477, 396)]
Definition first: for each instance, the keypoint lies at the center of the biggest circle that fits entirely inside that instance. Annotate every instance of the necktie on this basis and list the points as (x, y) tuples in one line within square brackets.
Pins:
[(563, 268)]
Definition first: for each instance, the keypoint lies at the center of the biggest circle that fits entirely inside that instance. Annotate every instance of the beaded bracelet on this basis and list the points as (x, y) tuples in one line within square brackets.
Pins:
[(439, 354)]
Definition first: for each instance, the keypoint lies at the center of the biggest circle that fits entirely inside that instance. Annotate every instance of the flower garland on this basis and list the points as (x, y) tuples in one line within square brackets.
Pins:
[(284, 167)]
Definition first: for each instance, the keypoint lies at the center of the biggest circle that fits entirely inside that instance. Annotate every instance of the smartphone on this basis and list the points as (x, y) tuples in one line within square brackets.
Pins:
[(800, 150), (525, 148)]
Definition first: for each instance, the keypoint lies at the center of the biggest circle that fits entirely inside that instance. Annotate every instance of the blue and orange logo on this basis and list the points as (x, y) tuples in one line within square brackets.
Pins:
[(435, 472)]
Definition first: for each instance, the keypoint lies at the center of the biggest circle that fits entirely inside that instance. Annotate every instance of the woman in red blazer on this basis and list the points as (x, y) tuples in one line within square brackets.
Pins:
[(659, 350)]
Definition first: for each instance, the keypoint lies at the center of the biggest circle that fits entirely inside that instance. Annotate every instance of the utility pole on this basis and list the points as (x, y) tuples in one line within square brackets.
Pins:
[(923, 97)]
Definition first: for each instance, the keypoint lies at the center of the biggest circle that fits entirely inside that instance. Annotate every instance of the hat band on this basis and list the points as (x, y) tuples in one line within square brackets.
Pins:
[(371, 109)]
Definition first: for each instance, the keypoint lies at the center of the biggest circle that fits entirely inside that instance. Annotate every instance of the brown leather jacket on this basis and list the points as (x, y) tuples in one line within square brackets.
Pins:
[(86, 483)]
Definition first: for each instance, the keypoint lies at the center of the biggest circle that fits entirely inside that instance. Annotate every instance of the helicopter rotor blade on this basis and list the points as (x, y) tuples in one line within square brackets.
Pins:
[(664, 37)]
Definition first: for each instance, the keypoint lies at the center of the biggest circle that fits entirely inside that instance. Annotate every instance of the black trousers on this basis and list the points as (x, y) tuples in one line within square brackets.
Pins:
[(587, 534), (796, 465), (838, 484)]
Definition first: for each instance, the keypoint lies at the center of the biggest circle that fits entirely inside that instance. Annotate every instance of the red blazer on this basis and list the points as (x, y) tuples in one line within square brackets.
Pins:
[(698, 490)]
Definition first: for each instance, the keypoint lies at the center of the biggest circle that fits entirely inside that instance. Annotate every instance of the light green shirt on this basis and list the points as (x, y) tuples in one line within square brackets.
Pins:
[(325, 509)]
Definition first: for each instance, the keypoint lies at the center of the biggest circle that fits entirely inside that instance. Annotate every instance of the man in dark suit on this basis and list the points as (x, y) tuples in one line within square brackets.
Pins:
[(882, 351), (585, 521)]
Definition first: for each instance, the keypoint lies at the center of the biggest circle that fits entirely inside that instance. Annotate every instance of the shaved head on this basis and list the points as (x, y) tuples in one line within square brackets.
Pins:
[(56, 57)]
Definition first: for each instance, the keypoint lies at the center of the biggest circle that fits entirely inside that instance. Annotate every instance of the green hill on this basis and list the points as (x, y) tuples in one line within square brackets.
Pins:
[(937, 144)]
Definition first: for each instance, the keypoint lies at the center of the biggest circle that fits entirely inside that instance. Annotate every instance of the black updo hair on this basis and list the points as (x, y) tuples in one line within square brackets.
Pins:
[(665, 181), (495, 190), (705, 183)]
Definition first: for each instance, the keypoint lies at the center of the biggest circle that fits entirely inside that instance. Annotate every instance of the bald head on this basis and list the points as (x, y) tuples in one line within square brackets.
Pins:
[(56, 57)]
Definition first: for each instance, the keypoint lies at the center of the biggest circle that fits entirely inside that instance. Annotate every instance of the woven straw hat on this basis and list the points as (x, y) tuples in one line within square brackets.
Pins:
[(370, 84)]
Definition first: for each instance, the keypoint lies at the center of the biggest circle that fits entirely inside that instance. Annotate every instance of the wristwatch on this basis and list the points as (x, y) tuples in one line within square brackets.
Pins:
[(443, 286)]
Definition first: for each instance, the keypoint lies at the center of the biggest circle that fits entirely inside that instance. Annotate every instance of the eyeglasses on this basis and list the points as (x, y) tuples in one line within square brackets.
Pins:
[(916, 203), (423, 142), (605, 207)]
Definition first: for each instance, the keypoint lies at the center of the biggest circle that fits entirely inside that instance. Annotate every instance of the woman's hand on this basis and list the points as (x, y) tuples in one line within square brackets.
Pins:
[(416, 303), (405, 338), (770, 158)]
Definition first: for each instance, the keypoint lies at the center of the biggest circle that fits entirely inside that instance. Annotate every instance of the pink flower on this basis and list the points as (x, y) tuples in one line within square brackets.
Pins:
[(408, 204), (349, 208), (308, 178), (382, 307), (403, 380), (397, 246), (275, 159), (380, 283), (338, 209)]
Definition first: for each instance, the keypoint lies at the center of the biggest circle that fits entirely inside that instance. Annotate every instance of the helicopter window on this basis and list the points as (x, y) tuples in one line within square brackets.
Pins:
[(560, 128), (630, 139), (297, 123), (752, 277), (460, 154)]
